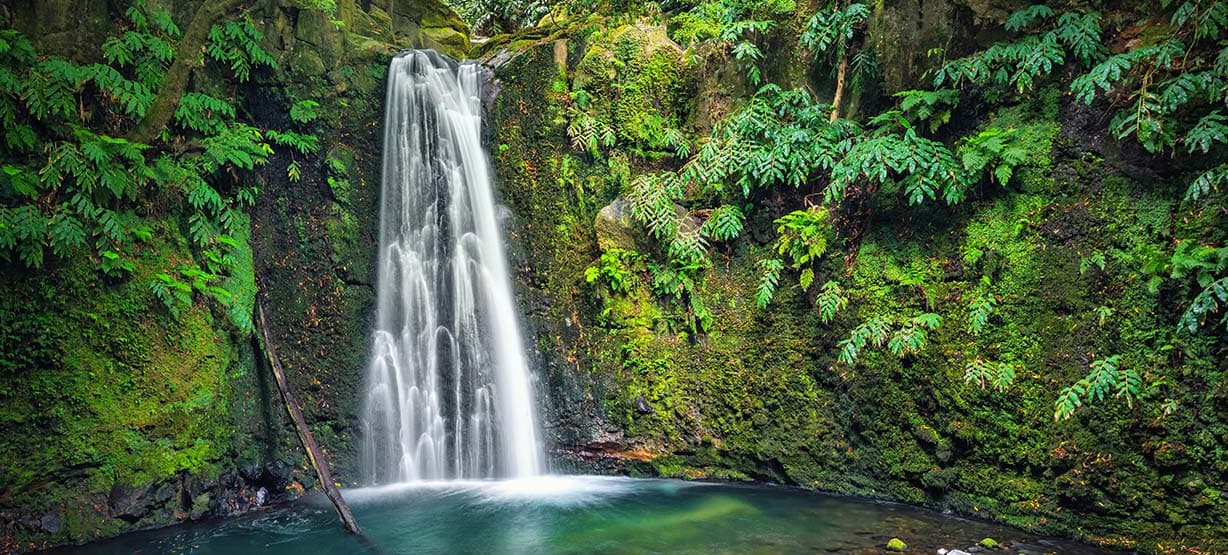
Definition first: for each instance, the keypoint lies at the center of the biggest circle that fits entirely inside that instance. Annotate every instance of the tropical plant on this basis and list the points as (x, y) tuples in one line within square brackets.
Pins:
[(72, 185), (619, 269), (903, 336), (1019, 64), (832, 32), (986, 373), (1108, 375), (734, 25)]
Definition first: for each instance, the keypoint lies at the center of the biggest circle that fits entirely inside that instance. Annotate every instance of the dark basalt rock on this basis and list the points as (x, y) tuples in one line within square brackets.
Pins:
[(51, 523)]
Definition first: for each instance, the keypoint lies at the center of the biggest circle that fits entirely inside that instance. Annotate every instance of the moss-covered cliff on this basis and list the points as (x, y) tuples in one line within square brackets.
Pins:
[(636, 384), (116, 414)]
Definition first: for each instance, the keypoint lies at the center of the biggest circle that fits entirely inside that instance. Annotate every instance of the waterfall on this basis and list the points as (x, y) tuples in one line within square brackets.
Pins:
[(448, 391)]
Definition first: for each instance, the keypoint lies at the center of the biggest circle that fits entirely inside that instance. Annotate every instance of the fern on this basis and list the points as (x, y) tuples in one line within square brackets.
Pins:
[(304, 111), (133, 97), (830, 301), (803, 236), (979, 313), (1094, 260), (1021, 63), (934, 107), (236, 44), (239, 145), (618, 268), (1107, 376), (302, 142), (203, 113), (174, 294), (830, 31), (873, 333), (768, 281), (1081, 34), (984, 373), (1211, 130), (652, 198), (724, 224), (1206, 303), (1026, 17), (69, 183), (1206, 183)]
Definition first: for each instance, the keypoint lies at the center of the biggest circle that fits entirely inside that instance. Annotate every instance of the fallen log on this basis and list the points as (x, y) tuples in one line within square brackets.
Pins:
[(304, 434)]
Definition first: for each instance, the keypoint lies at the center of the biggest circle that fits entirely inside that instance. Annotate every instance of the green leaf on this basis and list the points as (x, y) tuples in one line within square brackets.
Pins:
[(304, 111)]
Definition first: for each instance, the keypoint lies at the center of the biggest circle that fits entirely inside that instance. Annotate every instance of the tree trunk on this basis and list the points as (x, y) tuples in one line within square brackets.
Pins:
[(304, 434), (187, 54), (841, 73)]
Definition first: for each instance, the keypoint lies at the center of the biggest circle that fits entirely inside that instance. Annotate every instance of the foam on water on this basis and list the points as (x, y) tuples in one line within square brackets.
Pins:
[(555, 490)]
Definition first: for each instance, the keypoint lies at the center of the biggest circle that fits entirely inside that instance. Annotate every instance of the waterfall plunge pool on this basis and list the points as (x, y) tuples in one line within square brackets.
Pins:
[(582, 514)]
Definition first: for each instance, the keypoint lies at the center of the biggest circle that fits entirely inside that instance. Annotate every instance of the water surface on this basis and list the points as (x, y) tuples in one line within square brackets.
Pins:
[(583, 514)]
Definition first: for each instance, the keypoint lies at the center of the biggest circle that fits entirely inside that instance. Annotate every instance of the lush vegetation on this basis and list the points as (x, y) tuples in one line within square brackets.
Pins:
[(998, 287), (944, 293), (789, 138), (75, 186), (128, 260)]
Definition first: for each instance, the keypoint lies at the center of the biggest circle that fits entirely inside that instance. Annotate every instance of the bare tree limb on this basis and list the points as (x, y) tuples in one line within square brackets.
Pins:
[(304, 434)]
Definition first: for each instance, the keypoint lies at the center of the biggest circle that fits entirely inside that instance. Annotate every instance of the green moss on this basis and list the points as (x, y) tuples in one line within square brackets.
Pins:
[(760, 395), (105, 388)]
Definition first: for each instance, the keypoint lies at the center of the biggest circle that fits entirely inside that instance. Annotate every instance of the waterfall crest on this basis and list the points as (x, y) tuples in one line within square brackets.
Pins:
[(448, 391)]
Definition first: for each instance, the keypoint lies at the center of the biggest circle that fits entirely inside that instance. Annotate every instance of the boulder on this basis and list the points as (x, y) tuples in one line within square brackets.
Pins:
[(615, 228), (51, 523)]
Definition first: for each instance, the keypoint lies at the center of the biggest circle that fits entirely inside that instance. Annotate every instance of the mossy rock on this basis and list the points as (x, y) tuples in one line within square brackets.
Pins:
[(616, 229), (447, 40)]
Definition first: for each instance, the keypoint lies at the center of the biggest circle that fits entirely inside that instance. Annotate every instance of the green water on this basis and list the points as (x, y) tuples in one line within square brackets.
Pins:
[(582, 515)]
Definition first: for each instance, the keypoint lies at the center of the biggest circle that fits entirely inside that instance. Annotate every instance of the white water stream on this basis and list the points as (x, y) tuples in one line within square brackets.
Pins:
[(448, 387)]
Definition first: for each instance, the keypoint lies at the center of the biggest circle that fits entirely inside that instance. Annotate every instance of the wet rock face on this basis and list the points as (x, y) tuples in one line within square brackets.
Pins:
[(904, 33), (179, 498)]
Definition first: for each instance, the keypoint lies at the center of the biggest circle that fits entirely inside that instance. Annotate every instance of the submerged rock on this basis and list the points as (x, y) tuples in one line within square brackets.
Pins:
[(896, 544)]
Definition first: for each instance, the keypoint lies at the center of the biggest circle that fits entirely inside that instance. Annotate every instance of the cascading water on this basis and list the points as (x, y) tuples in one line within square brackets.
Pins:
[(448, 392)]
